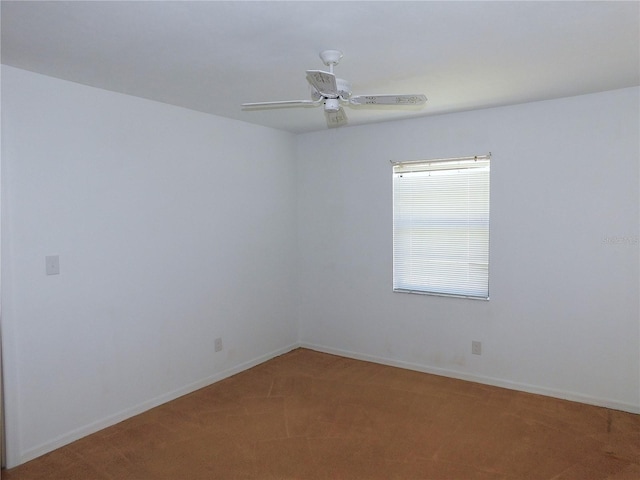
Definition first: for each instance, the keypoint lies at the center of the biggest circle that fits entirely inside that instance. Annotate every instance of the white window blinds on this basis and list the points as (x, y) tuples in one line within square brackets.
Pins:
[(441, 227)]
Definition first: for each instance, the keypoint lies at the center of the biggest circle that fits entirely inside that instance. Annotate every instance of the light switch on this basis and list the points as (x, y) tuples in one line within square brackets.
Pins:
[(52, 263)]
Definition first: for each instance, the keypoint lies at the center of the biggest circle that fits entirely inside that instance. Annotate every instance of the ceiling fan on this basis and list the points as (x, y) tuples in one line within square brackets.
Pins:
[(333, 92)]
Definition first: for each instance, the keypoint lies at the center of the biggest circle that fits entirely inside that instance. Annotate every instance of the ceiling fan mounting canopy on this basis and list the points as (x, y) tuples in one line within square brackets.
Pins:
[(331, 57), (333, 93)]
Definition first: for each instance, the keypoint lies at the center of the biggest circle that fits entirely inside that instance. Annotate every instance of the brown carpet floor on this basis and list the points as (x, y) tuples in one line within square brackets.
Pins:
[(309, 415)]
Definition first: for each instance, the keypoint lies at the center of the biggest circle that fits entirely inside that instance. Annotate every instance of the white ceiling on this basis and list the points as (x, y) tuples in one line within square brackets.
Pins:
[(213, 56)]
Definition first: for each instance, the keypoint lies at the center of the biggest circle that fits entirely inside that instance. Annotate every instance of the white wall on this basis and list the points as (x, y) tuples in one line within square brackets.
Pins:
[(563, 318), (175, 227), (172, 228)]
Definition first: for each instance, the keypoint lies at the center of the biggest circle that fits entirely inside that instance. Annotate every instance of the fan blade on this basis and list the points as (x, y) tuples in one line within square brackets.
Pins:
[(285, 103), (323, 82), (336, 119), (388, 100)]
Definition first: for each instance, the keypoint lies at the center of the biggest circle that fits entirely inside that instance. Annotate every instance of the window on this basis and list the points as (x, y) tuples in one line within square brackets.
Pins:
[(441, 227)]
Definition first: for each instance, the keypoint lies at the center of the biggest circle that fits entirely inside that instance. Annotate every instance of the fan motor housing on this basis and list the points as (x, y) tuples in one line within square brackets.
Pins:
[(343, 87), (331, 105)]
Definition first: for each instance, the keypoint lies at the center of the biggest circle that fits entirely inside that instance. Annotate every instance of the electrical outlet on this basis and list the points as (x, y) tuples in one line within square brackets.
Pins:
[(217, 344), (476, 348)]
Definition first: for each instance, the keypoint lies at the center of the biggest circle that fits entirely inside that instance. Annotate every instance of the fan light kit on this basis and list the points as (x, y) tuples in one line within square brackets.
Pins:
[(333, 93)]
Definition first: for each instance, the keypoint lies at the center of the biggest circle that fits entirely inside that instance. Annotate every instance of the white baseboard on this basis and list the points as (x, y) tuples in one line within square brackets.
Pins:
[(77, 434), (496, 382)]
